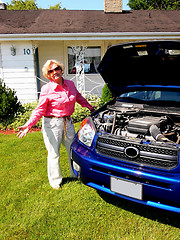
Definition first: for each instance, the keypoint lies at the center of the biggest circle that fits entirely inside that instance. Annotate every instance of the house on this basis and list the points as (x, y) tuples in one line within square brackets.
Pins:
[(30, 37)]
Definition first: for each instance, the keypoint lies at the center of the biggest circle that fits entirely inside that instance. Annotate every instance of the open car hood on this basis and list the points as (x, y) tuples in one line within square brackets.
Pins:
[(141, 64)]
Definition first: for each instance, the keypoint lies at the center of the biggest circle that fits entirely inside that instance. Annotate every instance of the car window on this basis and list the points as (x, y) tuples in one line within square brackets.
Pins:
[(152, 95)]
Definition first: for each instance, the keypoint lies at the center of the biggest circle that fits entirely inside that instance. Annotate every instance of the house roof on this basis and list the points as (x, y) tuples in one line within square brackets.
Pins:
[(87, 21)]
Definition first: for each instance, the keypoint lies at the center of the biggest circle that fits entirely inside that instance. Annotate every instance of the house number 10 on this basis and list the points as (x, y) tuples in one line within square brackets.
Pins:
[(27, 51)]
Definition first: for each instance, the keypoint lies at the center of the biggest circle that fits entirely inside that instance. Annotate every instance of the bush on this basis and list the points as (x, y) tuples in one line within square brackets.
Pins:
[(106, 95), (79, 113), (10, 107), (22, 118)]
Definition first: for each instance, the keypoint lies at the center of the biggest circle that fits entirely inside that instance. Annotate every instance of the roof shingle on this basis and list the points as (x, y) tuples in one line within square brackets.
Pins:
[(87, 21)]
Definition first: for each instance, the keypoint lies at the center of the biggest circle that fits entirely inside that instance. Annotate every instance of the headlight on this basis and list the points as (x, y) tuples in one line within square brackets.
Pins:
[(86, 132)]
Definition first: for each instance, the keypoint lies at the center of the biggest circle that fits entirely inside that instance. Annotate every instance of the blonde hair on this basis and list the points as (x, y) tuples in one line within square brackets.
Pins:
[(47, 65)]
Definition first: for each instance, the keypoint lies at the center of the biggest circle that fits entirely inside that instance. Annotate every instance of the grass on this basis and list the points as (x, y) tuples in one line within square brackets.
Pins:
[(31, 209)]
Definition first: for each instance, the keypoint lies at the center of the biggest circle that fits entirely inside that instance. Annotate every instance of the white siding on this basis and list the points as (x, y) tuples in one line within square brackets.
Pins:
[(1, 70), (18, 70)]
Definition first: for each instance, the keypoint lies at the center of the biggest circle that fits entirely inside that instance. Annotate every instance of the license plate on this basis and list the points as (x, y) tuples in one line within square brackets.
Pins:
[(126, 188)]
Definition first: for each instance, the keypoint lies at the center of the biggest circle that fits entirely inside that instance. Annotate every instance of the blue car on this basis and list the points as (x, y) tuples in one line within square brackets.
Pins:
[(130, 146)]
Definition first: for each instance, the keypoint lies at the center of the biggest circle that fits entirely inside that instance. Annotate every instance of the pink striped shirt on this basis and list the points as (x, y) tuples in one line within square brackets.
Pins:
[(56, 100)]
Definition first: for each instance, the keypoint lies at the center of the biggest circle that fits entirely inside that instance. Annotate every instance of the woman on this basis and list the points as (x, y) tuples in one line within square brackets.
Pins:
[(56, 104)]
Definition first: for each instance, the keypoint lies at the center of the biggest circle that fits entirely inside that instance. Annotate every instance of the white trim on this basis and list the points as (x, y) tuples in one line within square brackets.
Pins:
[(93, 36)]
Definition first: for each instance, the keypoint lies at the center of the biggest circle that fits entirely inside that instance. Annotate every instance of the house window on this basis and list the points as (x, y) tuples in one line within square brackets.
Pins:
[(92, 57)]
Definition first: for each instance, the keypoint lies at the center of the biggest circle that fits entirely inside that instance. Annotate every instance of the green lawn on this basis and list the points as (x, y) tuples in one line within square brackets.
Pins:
[(31, 209)]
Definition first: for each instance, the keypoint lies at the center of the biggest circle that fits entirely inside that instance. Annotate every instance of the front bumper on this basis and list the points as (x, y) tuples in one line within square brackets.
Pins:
[(160, 189)]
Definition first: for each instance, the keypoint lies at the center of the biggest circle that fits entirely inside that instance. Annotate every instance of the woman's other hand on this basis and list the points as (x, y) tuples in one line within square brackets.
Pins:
[(23, 131)]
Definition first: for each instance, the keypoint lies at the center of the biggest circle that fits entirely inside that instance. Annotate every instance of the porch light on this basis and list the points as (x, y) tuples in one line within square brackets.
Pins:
[(13, 50)]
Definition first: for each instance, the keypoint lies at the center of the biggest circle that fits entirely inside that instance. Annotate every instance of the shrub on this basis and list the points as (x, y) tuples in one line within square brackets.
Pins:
[(22, 118), (93, 100), (9, 105), (79, 113), (106, 95)]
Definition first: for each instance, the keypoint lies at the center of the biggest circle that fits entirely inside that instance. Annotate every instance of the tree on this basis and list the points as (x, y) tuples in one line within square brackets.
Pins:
[(57, 6), (106, 94), (22, 5), (151, 4), (27, 5)]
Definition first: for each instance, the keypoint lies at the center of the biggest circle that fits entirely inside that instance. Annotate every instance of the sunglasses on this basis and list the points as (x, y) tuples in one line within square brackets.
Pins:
[(55, 69)]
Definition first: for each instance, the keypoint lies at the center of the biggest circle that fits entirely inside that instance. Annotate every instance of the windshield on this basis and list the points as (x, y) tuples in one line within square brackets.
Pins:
[(151, 96)]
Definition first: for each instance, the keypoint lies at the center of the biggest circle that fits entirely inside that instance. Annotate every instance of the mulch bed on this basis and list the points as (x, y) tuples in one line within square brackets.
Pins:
[(12, 131), (8, 132)]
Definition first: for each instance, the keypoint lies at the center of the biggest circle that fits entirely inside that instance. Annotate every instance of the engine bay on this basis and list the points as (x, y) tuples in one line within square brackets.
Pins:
[(137, 122)]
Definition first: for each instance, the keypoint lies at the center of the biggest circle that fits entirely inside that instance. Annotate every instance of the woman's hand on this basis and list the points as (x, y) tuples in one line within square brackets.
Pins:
[(93, 109), (23, 131)]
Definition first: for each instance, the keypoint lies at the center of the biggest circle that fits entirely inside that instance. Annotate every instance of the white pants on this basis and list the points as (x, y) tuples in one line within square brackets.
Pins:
[(53, 134)]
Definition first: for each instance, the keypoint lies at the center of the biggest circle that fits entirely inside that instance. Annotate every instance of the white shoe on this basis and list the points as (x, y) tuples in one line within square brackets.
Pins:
[(56, 186)]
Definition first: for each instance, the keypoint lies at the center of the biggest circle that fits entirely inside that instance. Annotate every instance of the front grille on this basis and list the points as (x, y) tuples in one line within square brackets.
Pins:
[(160, 156)]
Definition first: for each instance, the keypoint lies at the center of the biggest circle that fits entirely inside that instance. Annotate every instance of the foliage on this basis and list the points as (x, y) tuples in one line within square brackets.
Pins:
[(22, 5), (106, 95), (27, 5), (31, 209), (79, 113), (23, 117), (9, 105), (151, 4), (57, 6)]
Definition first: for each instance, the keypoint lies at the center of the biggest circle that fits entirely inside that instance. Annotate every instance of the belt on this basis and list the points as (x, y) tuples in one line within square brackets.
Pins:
[(65, 118), (49, 116)]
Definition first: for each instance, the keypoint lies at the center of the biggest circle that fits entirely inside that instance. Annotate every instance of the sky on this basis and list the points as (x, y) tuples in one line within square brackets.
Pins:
[(75, 4)]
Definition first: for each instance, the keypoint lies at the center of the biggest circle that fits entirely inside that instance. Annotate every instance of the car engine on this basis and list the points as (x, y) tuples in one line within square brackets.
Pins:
[(138, 124)]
